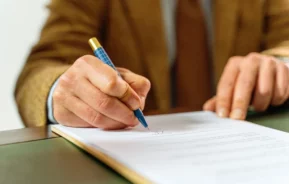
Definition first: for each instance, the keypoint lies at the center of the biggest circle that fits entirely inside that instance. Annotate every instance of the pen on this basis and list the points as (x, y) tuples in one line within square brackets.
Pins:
[(100, 53)]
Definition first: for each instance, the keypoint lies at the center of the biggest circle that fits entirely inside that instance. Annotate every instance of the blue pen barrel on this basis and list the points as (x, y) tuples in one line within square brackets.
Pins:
[(138, 113), (101, 54)]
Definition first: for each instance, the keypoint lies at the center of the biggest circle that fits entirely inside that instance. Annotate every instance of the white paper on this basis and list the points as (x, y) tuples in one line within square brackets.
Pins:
[(196, 148)]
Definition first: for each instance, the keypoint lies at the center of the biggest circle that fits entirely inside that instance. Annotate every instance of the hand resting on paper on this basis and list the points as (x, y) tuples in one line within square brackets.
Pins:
[(256, 80)]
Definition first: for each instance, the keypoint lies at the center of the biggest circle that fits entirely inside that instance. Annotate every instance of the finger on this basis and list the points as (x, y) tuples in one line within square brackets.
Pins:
[(106, 105), (287, 93), (108, 81), (245, 84), (264, 86), (281, 84), (67, 118), (139, 84), (210, 105), (87, 113), (226, 87)]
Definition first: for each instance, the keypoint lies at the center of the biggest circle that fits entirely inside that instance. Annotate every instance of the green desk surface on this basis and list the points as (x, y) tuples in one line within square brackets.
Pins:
[(58, 161), (52, 161), (277, 119)]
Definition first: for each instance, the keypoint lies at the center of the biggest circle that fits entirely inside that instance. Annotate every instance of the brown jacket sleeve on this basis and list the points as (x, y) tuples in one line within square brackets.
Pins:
[(63, 39), (277, 26)]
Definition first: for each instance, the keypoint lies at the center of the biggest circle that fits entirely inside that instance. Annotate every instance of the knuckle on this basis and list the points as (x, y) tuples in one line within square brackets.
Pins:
[(270, 62), (68, 79), (79, 62), (233, 60), (254, 56), (252, 61), (112, 83), (58, 96)]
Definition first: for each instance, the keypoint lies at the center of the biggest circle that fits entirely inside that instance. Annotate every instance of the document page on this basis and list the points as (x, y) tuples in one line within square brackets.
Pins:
[(195, 147)]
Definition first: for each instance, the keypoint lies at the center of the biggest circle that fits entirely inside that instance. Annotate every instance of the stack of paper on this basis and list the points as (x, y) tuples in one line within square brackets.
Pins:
[(190, 148)]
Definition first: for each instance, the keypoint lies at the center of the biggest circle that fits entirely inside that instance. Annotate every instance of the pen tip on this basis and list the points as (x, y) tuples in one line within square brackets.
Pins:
[(148, 129), (140, 117)]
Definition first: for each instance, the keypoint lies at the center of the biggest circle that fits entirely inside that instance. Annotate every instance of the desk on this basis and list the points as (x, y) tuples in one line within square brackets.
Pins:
[(43, 157)]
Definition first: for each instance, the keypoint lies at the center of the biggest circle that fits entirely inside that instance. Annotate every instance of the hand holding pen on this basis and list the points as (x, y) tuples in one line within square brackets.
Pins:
[(100, 53), (92, 94)]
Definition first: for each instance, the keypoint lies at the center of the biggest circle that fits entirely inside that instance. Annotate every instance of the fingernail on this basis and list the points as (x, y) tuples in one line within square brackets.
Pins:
[(223, 112), (132, 100), (143, 101), (237, 114)]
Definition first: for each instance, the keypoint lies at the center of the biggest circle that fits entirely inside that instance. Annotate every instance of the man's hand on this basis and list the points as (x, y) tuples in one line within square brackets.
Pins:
[(256, 80), (91, 94)]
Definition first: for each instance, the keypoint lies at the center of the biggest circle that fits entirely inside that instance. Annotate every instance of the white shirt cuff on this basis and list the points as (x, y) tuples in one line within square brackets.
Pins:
[(50, 104)]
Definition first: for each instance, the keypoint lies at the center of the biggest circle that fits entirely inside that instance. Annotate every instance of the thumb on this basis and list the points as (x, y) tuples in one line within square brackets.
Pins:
[(138, 83)]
